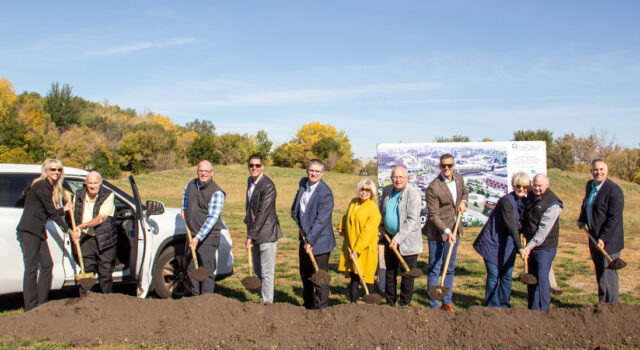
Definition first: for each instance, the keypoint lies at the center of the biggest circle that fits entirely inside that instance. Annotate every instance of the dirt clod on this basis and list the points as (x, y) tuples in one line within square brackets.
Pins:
[(213, 321)]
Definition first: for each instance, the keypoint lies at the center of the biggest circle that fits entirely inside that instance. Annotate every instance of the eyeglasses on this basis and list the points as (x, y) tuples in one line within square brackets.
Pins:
[(57, 170), (204, 171), (442, 166), (521, 187), (365, 190), (252, 165)]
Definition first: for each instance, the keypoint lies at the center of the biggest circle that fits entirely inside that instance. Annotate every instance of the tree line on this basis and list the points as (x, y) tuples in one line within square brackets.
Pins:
[(109, 139)]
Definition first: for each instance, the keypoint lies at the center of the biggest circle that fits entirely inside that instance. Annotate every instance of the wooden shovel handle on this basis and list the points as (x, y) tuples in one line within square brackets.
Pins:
[(446, 263), (523, 242), (73, 227), (193, 250), (250, 259), (357, 266), (400, 258), (586, 229), (313, 258)]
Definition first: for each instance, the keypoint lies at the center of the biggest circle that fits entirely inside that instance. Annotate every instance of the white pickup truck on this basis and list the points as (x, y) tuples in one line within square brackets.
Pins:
[(151, 239)]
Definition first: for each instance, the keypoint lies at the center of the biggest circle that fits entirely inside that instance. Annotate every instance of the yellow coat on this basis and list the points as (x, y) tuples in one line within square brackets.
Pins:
[(360, 227)]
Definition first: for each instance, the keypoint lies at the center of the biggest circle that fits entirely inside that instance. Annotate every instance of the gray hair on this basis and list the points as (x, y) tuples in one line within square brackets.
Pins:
[(520, 178)]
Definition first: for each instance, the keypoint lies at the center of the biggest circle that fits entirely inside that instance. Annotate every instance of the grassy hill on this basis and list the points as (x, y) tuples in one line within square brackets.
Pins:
[(573, 266)]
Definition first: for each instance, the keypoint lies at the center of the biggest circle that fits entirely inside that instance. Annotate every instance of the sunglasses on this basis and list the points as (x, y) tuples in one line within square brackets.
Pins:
[(520, 187), (442, 166), (251, 165), (57, 170), (365, 190)]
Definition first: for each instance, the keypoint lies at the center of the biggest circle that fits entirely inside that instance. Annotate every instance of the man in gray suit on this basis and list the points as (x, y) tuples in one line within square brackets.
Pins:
[(400, 208), (445, 197), (263, 227)]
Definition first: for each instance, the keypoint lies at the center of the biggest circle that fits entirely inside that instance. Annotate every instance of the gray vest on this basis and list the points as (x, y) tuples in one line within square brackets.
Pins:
[(198, 206)]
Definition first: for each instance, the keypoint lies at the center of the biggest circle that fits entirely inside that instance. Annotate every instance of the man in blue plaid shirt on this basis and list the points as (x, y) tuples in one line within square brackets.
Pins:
[(202, 205)]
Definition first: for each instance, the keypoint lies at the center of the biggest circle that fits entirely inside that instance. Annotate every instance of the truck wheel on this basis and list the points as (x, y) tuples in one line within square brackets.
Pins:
[(170, 278)]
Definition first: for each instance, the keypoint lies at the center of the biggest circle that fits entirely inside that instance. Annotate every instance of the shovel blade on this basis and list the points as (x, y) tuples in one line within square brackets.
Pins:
[(438, 292), (617, 264), (413, 273), (372, 299), (321, 278), (528, 278), (200, 274), (86, 280), (252, 283)]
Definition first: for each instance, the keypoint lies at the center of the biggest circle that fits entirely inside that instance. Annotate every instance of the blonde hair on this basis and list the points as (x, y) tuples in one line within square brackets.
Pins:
[(57, 186), (370, 183), (520, 178)]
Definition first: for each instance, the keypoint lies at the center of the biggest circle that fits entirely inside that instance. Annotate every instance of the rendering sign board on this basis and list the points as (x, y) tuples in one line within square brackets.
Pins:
[(487, 168)]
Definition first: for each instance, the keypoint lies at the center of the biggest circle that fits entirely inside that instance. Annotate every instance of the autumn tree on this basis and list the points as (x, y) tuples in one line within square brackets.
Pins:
[(62, 106)]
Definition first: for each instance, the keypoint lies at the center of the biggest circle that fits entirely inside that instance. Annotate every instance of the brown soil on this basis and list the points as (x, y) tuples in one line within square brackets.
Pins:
[(213, 321)]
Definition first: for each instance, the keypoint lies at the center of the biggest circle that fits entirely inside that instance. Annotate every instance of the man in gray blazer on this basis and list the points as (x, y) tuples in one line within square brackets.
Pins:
[(263, 226), (400, 208), (445, 197)]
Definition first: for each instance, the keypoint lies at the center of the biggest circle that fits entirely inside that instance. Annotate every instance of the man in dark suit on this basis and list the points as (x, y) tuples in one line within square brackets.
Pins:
[(263, 227), (311, 209), (445, 197), (602, 209)]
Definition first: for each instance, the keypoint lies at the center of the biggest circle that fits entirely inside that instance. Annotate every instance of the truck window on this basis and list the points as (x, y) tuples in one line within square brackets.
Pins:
[(14, 188)]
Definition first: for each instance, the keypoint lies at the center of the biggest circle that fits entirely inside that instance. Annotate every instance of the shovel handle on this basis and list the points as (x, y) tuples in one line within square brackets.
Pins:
[(76, 243), (446, 262), (250, 259), (193, 250), (523, 242), (313, 258), (400, 258), (604, 252), (357, 266)]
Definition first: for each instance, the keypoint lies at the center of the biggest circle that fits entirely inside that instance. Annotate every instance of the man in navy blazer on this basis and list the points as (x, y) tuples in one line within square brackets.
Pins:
[(311, 209), (602, 209)]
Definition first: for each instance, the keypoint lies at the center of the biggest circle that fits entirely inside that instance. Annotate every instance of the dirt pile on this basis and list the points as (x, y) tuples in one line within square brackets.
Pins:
[(213, 321)]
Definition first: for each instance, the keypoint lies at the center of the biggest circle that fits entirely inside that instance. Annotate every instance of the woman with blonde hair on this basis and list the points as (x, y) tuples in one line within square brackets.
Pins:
[(359, 226), (43, 202)]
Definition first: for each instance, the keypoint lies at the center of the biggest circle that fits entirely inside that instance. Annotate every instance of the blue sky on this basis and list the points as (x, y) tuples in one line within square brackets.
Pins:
[(382, 71)]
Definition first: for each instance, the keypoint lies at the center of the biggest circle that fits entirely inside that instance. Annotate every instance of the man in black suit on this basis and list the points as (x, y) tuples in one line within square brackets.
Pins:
[(601, 210), (312, 209), (263, 227)]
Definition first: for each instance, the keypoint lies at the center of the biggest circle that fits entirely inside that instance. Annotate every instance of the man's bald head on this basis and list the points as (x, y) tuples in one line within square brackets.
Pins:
[(93, 183), (540, 184), (205, 171), (399, 177)]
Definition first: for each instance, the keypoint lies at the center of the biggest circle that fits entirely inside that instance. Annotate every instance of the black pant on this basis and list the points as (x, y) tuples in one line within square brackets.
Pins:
[(35, 286), (313, 296), (206, 254), (406, 283), (102, 262), (607, 278), (354, 288)]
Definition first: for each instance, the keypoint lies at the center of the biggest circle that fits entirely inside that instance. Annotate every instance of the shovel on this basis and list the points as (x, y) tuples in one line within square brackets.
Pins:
[(526, 277), (368, 298), (614, 264), (411, 273), (251, 282), (440, 291), (86, 280), (320, 277), (200, 273)]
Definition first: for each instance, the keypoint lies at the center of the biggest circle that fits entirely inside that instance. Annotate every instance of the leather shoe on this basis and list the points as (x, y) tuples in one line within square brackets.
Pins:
[(448, 307)]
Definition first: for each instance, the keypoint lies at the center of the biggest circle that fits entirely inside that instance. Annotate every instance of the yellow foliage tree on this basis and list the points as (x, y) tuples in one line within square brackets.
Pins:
[(7, 96)]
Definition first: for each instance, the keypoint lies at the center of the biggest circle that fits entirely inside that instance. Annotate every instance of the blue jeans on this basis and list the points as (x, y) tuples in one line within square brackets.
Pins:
[(437, 254), (497, 290), (538, 295)]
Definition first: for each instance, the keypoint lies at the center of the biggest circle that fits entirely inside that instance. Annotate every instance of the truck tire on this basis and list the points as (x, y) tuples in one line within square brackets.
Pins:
[(170, 278)]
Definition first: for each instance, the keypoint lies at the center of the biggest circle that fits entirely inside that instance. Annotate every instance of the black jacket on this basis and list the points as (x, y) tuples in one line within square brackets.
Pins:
[(261, 218), (606, 215), (38, 207), (106, 232)]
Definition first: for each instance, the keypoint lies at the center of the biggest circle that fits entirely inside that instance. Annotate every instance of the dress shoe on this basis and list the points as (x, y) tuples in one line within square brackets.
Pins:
[(448, 307)]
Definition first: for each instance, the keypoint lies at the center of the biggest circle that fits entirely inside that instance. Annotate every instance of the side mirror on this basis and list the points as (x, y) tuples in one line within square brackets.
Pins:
[(155, 208)]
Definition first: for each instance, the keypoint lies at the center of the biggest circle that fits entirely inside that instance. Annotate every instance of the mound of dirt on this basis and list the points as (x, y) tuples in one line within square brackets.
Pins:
[(213, 321)]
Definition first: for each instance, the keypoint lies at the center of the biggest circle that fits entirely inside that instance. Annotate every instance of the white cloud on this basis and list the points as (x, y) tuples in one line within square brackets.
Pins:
[(143, 45)]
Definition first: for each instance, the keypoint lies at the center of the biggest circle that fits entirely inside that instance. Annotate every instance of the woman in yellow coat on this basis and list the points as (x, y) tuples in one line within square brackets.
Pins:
[(359, 227)]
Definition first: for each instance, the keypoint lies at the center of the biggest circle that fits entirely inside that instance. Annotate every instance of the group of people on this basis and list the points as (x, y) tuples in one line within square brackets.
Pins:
[(394, 220), (92, 209)]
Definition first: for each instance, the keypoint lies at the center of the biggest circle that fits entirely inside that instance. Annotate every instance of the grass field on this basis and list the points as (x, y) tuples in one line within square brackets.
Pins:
[(573, 266)]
